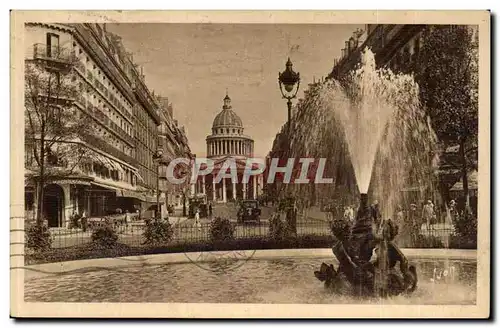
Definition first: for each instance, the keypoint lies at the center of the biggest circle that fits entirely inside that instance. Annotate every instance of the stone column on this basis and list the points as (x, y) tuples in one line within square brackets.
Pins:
[(224, 196), (193, 188), (254, 178), (234, 190), (67, 208), (203, 184), (245, 190), (214, 198)]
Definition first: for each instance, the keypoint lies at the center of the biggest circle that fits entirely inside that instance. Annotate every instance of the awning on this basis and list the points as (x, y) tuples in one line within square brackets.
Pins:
[(138, 176), (104, 161), (130, 194), (102, 185), (72, 181), (151, 199)]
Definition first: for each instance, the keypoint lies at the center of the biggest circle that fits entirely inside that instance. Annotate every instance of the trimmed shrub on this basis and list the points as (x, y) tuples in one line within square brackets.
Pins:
[(465, 226), (157, 231), (105, 236), (80, 252), (221, 229), (463, 242), (38, 237), (341, 229)]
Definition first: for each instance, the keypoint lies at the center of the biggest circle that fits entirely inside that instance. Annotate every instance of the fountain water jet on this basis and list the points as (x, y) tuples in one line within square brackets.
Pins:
[(371, 124), (390, 144)]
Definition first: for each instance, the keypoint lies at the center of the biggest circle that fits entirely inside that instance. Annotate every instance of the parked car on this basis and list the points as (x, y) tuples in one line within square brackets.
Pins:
[(249, 211), (198, 202)]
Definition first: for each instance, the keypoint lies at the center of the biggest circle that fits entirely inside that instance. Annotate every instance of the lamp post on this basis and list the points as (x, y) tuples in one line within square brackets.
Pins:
[(287, 80), (157, 157)]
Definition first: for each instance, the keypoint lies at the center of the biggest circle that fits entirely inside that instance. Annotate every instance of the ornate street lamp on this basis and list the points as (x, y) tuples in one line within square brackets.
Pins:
[(157, 157), (287, 81)]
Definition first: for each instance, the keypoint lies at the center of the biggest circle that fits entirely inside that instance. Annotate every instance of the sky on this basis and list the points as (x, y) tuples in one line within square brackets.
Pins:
[(194, 64)]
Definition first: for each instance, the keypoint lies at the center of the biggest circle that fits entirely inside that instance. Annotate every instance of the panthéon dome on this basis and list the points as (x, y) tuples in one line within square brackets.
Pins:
[(227, 117)]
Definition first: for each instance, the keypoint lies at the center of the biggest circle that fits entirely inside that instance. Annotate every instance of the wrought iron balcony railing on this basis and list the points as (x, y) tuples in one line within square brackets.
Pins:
[(53, 53)]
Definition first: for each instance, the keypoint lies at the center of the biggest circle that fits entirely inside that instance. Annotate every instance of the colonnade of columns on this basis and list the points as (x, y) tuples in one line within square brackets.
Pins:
[(201, 186), (217, 147)]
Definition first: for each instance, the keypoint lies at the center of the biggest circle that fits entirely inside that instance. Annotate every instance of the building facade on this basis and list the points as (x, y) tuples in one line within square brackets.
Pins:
[(394, 46), (174, 144), (118, 172), (228, 141)]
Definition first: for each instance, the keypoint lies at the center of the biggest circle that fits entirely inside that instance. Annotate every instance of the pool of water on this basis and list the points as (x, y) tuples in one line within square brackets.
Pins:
[(287, 280)]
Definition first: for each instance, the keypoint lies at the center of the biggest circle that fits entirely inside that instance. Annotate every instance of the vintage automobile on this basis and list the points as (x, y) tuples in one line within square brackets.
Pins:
[(199, 202), (249, 211)]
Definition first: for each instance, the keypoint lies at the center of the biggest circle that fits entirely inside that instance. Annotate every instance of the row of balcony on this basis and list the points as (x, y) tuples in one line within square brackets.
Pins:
[(108, 149), (104, 119), (53, 53), (108, 94)]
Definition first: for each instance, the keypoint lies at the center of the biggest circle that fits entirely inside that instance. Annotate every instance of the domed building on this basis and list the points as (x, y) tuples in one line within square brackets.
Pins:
[(228, 141)]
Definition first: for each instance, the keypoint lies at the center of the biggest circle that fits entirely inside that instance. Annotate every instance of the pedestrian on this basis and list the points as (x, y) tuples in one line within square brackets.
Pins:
[(84, 221), (399, 215), (428, 214), (210, 209), (127, 220), (453, 210), (197, 219), (413, 220)]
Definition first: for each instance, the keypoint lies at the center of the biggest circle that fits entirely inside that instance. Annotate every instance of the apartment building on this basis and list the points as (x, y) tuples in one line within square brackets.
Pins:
[(118, 173)]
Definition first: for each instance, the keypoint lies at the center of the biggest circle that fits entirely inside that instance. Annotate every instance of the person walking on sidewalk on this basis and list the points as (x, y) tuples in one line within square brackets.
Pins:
[(428, 214), (197, 223)]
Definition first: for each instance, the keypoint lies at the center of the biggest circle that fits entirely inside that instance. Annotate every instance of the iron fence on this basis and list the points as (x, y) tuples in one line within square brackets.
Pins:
[(132, 234)]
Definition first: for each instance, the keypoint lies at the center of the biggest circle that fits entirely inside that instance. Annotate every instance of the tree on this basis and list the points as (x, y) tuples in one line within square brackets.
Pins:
[(54, 126), (447, 73)]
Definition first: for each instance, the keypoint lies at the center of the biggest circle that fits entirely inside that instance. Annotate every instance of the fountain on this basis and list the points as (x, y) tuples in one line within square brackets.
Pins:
[(389, 143)]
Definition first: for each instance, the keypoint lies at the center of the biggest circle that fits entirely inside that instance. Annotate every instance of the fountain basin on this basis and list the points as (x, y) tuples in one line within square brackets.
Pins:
[(270, 276)]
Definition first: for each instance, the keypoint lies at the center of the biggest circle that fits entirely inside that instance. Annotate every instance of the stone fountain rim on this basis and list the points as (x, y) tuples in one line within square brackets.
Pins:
[(78, 266)]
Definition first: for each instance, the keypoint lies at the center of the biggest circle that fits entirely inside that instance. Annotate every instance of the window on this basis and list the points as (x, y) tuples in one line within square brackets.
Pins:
[(52, 44)]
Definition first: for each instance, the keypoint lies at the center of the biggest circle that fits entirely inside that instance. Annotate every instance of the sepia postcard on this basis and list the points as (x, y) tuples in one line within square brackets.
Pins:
[(250, 164)]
